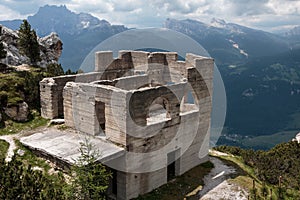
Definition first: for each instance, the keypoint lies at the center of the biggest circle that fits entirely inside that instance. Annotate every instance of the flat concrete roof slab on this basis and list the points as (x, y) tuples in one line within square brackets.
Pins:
[(64, 145)]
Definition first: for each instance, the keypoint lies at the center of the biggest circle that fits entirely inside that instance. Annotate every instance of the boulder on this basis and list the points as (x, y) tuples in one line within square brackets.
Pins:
[(18, 112), (297, 138)]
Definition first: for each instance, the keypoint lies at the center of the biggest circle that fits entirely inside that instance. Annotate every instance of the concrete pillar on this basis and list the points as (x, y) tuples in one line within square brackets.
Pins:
[(102, 60), (49, 98)]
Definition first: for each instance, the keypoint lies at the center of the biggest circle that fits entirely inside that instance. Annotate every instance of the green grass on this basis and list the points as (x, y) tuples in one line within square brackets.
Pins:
[(243, 181), (180, 187), (3, 148), (237, 160), (247, 180), (15, 127), (29, 158), (9, 86), (62, 127)]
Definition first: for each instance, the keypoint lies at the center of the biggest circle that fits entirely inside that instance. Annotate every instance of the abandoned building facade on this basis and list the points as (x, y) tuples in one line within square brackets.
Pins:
[(154, 109)]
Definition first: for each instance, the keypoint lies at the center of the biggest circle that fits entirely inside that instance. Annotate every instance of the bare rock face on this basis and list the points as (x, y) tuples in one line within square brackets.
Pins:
[(50, 48), (10, 43), (18, 112)]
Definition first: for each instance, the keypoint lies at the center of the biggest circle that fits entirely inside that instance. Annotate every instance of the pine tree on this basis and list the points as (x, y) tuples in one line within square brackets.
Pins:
[(54, 69), (28, 43), (90, 179), (3, 67), (2, 51), (3, 54)]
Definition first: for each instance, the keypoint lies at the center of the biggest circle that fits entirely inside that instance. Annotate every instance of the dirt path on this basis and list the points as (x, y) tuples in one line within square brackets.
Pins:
[(12, 145), (216, 185)]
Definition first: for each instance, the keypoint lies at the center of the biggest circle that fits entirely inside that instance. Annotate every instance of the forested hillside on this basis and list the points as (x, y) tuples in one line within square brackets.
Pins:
[(278, 167)]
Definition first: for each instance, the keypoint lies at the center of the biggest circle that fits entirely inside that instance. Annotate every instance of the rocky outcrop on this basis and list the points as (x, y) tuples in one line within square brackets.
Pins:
[(297, 138), (18, 112), (50, 48)]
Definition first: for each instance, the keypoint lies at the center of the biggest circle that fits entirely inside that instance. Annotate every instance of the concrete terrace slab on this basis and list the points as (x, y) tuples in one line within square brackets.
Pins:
[(64, 145)]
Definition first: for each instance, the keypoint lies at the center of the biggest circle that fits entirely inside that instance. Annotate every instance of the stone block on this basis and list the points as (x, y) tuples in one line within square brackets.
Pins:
[(102, 60)]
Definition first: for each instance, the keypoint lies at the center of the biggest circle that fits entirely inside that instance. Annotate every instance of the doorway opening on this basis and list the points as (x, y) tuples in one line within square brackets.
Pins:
[(173, 164), (100, 113)]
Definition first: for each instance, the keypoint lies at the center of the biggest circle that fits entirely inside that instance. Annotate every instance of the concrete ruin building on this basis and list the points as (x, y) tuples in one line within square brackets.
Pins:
[(148, 113)]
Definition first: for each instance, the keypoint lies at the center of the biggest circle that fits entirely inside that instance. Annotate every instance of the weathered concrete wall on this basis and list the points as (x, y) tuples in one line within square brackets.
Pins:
[(132, 82), (51, 96), (80, 111), (173, 133), (194, 139), (131, 185), (115, 115), (113, 68), (117, 100), (107, 68), (143, 137), (80, 101), (200, 76), (141, 183), (127, 82), (51, 92), (102, 60)]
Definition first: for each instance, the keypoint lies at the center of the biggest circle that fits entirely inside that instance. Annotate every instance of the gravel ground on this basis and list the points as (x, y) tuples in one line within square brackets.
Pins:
[(216, 185), (226, 191), (12, 146)]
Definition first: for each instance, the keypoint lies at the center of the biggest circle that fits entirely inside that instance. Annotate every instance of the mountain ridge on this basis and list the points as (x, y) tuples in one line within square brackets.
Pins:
[(230, 42), (80, 32), (227, 42)]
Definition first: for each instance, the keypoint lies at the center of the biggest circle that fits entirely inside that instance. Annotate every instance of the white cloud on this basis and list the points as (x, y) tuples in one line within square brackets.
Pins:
[(90, 6), (285, 7), (264, 14), (7, 14)]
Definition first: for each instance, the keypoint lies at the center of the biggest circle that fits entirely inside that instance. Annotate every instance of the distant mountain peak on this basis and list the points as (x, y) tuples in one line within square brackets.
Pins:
[(219, 23), (54, 9), (61, 19), (80, 32), (293, 32), (228, 42), (47, 6), (187, 22)]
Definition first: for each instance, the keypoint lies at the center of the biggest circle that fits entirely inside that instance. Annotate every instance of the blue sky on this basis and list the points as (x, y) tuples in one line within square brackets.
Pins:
[(268, 15)]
